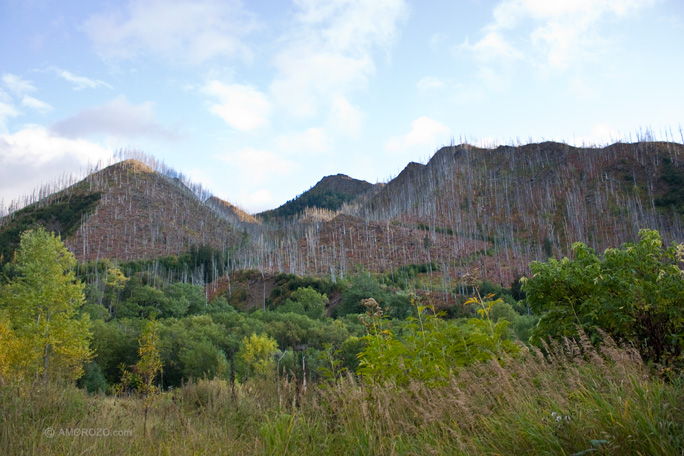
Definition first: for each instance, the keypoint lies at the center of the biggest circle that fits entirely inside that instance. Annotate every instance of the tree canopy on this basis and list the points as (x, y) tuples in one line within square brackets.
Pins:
[(41, 306), (635, 294)]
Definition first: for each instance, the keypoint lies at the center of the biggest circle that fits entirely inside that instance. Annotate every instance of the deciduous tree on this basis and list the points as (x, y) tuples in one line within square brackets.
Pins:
[(42, 303)]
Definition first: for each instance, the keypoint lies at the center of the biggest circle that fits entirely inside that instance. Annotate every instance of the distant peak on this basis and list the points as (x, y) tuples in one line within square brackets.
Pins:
[(341, 183), (134, 165)]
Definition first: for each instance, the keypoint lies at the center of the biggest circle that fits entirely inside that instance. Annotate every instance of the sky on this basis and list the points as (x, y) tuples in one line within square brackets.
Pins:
[(258, 100)]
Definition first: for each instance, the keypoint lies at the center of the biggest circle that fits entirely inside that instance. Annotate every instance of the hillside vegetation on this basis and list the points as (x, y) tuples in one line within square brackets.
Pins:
[(468, 210), (331, 193), (585, 356)]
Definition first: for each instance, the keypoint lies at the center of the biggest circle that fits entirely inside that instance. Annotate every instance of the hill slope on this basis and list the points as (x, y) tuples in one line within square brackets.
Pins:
[(329, 193), (469, 210), (126, 211), (493, 211), (232, 213)]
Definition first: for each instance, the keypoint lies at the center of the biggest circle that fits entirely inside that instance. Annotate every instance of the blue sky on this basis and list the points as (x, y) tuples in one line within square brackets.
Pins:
[(259, 100)]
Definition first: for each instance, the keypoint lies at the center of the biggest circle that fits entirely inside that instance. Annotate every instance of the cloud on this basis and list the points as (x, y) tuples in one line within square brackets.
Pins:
[(552, 34), (430, 83), (6, 111), (256, 201), (491, 47), (425, 132), (117, 118), (183, 31), (313, 141), (240, 106), (34, 156), (16, 85), (36, 105), (80, 82), (329, 49), (345, 118), (600, 135), (258, 165)]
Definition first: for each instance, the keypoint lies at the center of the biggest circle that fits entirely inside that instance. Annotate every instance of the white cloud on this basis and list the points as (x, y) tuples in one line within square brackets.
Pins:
[(6, 111), (185, 31), (80, 82), (346, 118), (425, 132), (492, 46), (313, 141), (117, 118), (600, 135), (256, 201), (200, 176), (258, 165), (33, 157), (36, 105), (329, 50), (16, 85), (429, 83), (556, 34), (242, 107)]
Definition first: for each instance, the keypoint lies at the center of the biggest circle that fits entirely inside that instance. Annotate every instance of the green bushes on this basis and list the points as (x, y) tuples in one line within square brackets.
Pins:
[(634, 294), (427, 348)]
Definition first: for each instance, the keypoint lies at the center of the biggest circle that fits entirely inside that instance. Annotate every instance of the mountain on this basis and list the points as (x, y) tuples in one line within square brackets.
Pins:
[(126, 211), (490, 212), (330, 193), (232, 213), (467, 212)]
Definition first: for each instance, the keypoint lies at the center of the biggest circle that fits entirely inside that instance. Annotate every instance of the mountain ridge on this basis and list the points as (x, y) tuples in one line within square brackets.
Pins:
[(330, 193), (467, 211)]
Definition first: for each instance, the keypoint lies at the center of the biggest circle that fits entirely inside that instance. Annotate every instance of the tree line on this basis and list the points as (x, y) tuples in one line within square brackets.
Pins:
[(55, 326)]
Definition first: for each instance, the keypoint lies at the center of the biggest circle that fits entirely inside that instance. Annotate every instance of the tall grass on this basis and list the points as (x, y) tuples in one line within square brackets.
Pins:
[(572, 401)]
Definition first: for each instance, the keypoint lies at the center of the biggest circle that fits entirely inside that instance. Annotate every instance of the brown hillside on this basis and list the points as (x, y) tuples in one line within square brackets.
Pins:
[(233, 213), (493, 211), (143, 214)]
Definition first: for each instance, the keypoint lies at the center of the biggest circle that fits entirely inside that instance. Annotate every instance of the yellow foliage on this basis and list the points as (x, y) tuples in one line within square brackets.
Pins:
[(258, 353)]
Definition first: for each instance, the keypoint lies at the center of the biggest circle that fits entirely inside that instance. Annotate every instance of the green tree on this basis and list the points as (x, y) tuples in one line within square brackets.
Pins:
[(361, 287), (635, 294), (115, 283), (428, 348), (143, 375), (185, 298), (258, 354), (42, 303), (306, 301)]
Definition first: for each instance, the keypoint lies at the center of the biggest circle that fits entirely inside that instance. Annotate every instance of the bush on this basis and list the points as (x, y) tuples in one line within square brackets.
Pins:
[(635, 294)]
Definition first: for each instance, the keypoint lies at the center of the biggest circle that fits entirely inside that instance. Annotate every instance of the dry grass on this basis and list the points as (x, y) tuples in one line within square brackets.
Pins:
[(571, 401)]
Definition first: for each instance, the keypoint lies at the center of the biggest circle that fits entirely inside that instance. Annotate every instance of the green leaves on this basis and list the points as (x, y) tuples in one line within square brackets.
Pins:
[(429, 349), (42, 304), (306, 301), (635, 294), (257, 352)]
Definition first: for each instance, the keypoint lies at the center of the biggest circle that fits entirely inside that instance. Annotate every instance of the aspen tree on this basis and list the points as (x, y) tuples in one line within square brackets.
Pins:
[(42, 304)]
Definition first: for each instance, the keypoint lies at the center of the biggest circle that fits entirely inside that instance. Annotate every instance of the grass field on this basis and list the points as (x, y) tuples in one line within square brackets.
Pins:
[(572, 402)]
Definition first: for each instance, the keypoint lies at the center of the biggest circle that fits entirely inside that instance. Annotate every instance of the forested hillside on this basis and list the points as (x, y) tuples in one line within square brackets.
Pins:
[(330, 193), (468, 209), (494, 211), (434, 308)]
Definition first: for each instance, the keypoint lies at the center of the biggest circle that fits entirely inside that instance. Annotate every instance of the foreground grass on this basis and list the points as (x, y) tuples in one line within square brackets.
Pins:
[(573, 402)]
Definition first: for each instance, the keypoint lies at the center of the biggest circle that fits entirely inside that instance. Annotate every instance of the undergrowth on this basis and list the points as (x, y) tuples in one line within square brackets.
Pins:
[(570, 400)]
